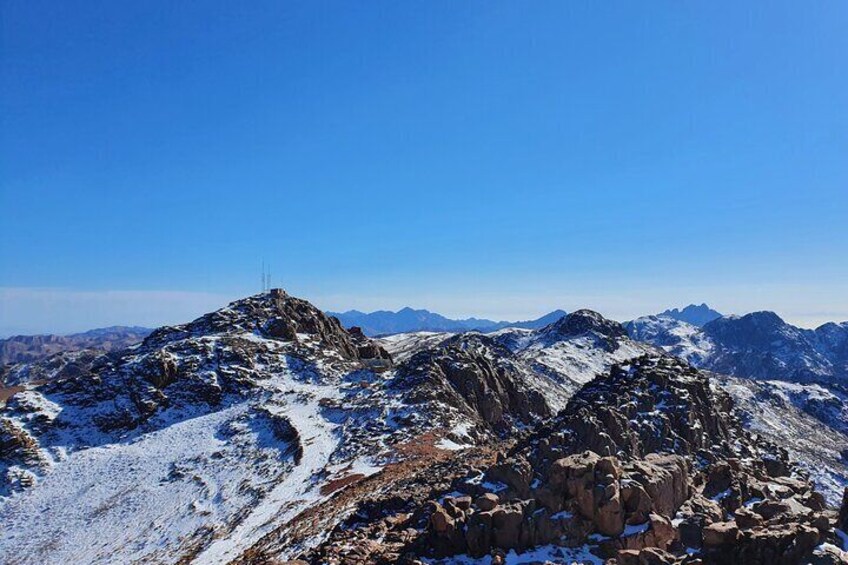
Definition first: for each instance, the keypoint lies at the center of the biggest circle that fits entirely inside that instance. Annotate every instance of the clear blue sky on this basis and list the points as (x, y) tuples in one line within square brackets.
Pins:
[(497, 159)]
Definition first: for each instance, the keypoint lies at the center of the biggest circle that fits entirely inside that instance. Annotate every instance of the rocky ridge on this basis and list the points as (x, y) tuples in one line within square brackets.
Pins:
[(230, 426), (645, 465), (789, 382)]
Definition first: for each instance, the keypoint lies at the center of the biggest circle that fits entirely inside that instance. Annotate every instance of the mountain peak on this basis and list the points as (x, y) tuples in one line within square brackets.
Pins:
[(693, 314), (584, 321)]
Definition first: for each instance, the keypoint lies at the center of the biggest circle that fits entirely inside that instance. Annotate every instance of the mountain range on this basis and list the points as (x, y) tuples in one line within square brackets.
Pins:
[(267, 431), (23, 348), (384, 322)]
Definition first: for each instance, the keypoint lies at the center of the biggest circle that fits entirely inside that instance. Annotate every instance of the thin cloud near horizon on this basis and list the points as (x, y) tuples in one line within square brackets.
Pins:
[(25, 311)]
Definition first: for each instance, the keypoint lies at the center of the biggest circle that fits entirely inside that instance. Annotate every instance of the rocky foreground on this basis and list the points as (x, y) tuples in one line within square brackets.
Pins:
[(645, 465)]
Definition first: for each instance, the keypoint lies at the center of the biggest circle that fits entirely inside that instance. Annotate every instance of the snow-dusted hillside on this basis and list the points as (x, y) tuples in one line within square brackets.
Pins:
[(809, 421), (201, 440), (758, 345), (678, 338), (573, 350), (558, 358), (788, 381), (404, 345)]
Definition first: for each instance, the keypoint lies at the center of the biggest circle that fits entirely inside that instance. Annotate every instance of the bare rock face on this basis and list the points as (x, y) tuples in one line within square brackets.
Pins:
[(653, 405), (474, 374), (842, 522)]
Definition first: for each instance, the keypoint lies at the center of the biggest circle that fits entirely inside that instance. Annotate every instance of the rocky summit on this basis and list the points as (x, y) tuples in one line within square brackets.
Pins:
[(266, 432)]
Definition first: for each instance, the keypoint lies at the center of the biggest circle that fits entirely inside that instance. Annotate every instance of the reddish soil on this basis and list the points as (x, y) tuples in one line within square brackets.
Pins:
[(6, 393)]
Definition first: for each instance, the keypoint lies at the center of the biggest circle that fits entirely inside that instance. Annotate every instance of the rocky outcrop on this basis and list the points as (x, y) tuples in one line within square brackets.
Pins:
[(653, 404), (195, 368), (274, 314), (584, 322), (650, 460), (474, 374)]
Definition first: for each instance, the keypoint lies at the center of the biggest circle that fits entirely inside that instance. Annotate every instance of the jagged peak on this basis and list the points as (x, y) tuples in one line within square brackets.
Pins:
[(584, 321), (697, 315), (271, 314)]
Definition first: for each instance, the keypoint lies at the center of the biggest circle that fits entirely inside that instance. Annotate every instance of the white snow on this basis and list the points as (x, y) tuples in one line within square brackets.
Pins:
[(221, 477)]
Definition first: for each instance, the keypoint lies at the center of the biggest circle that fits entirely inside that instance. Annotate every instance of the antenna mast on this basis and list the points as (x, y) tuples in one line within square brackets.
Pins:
[(265, 277)]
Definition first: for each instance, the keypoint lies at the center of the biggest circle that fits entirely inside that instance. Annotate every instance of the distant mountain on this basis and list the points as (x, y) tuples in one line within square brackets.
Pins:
[(29, 348), (758, 345), (385, 322), (538, 323), (692, 314)]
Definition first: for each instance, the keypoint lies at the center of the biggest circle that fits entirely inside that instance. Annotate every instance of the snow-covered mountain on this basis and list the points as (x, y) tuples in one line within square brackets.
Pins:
[(266, 431), (790, 382), (566, 354), (406, 320), (692, 314), (206, 437), (758, 345)]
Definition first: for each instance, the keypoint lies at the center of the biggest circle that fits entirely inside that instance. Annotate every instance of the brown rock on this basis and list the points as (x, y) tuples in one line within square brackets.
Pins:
[(720, 533), (506, 526), (487, 501), (478, 533), (747, 519), (514, 473), (768, 509), (575, 474), (666, 480), (842, 521), (637, 504), (441, 522), (655, 556), (281, 328), (608, 514), (626, 557), (463, 502)]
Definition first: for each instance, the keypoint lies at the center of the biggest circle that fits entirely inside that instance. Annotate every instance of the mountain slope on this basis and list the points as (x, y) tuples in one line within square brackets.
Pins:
[(560, 356), (789, 382), (758, 345), (646, 464), (209, 436)]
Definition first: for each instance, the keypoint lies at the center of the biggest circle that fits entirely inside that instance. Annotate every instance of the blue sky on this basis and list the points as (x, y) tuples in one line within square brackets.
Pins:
[(479, 158)]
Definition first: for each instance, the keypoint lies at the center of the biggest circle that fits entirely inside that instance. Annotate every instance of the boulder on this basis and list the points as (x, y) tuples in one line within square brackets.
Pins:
[(720, 533), (488, 501), (666, 480), (747, 519), (281, 328), (515, 473), (506, 526), (575, 476)]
